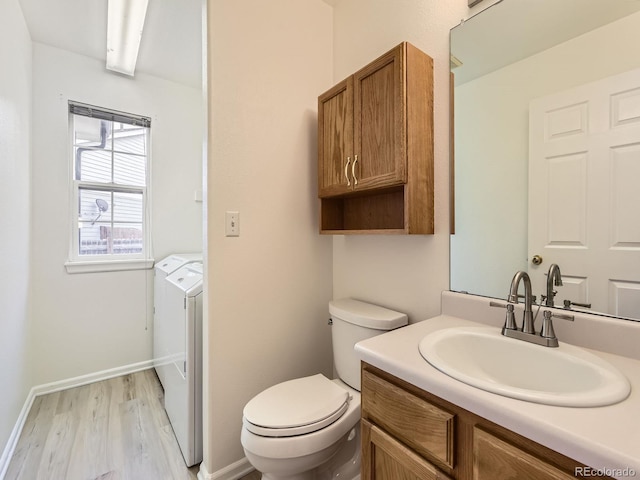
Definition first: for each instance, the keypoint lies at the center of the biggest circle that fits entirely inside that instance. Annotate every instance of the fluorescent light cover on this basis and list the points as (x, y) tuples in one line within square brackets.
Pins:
[(124, 32)]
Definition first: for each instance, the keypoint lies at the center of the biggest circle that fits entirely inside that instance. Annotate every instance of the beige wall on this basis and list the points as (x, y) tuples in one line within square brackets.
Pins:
[(400, 272), (268, 289)]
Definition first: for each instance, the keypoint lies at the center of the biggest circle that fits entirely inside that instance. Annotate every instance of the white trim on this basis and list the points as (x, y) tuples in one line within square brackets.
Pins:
[(10, 447), (52, 387), (92, 378), (231, 472), (108, 265)]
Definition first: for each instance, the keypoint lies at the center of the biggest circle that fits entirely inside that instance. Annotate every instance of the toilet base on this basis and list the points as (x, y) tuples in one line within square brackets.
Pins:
[(343, 464)]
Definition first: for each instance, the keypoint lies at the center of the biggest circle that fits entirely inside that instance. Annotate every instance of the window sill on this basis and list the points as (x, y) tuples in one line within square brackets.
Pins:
[(96, 266)]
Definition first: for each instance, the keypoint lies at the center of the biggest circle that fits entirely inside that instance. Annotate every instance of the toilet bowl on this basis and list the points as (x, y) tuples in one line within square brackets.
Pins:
[(282, 454), (309, 428)]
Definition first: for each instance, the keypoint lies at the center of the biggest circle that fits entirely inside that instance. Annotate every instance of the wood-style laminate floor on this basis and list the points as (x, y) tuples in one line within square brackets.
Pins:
[(115, 429)]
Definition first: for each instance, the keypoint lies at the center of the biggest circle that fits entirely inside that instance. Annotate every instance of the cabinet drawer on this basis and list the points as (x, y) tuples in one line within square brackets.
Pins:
[(424, 427)]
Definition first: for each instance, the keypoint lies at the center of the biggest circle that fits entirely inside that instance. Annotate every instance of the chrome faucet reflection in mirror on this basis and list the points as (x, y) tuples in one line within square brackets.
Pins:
[(554, 277)]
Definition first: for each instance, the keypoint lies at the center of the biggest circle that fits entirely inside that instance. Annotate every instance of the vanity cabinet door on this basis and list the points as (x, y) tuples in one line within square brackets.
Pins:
[(427, 429), (385, 458), (493, 458)]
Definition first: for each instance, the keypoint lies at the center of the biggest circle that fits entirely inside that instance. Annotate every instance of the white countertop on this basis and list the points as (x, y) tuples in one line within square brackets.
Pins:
[(600, 437)]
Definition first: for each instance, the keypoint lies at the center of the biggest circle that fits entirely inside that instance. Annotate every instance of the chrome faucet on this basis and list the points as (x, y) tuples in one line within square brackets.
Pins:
[(547, 336), (527, 321), (554, 277)]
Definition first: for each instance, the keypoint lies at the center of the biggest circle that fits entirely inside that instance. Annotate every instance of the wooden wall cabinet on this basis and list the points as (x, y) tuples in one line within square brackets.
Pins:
[(409, 434), (375, 147)]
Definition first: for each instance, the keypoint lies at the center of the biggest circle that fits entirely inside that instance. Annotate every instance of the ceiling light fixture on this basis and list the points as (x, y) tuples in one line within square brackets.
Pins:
[(124, 31)]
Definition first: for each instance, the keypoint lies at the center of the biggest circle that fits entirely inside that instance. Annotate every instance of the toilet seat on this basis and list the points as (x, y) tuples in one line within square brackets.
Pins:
[(296, 407)]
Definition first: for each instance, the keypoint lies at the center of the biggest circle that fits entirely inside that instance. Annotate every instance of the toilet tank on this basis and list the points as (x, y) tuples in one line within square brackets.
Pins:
[(354, 321)]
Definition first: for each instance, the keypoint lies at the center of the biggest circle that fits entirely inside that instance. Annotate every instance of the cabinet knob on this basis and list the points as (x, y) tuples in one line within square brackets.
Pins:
[(346, 171), (353, 171)]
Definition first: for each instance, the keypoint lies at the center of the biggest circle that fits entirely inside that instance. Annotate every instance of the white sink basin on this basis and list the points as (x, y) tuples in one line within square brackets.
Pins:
[(484, 358)]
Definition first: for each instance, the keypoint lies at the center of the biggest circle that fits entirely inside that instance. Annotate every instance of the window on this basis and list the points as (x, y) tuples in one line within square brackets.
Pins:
[(110, 172)]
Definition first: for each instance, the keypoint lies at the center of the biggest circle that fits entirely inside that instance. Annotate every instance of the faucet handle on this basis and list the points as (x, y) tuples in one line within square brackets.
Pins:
[(563, 316), (568, 303), (547, 325), (510, 319)]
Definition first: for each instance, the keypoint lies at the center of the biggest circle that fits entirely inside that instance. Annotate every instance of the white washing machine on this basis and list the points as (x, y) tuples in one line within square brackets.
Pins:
[(163, 269), (183, 380)]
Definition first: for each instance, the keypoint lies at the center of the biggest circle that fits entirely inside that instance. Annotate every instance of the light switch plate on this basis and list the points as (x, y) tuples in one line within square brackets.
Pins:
[(232, 224)]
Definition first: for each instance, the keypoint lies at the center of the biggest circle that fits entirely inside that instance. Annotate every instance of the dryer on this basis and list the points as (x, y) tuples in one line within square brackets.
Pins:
[(163, 269), (183, 378)]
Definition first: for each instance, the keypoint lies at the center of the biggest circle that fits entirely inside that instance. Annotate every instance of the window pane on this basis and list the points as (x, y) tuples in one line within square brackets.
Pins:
[(93, 165), (94, 205), (90, 132), (129, 139), (94, 239), (129, 169), (127, 207), (101, 239), (127, 238)]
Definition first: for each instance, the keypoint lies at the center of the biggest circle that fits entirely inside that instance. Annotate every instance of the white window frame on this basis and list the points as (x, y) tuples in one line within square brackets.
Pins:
[(109, 262)]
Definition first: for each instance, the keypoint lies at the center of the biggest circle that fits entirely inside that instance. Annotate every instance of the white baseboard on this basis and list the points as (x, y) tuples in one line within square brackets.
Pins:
[(15, 434), (56, 387), (91, 378), (231, 472)]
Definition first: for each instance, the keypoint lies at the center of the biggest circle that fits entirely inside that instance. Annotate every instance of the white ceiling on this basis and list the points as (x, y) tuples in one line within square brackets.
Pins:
[(530, 26), (171, 45)]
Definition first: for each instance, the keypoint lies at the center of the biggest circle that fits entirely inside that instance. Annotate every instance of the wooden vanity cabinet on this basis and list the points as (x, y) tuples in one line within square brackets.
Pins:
[(375, 147), (408, 433), (385, 458)]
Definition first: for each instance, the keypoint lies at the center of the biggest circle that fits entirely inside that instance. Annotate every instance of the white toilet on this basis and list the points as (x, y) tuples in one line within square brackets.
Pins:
[(309, 428)]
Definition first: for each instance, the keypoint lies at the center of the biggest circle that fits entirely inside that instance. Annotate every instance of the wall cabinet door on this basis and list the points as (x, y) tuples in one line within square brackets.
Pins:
[(335, 139), (379, 122), (385, 458)]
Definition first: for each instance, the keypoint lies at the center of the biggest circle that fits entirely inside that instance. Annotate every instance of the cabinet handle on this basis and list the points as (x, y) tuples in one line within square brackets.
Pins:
[(353, 171), (346, 171)]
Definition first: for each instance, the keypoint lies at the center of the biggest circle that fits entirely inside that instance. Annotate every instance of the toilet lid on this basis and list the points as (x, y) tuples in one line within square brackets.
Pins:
[(296, 407)]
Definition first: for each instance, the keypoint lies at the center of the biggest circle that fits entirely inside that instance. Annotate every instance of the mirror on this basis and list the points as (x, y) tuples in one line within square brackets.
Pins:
[(530, 82)]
